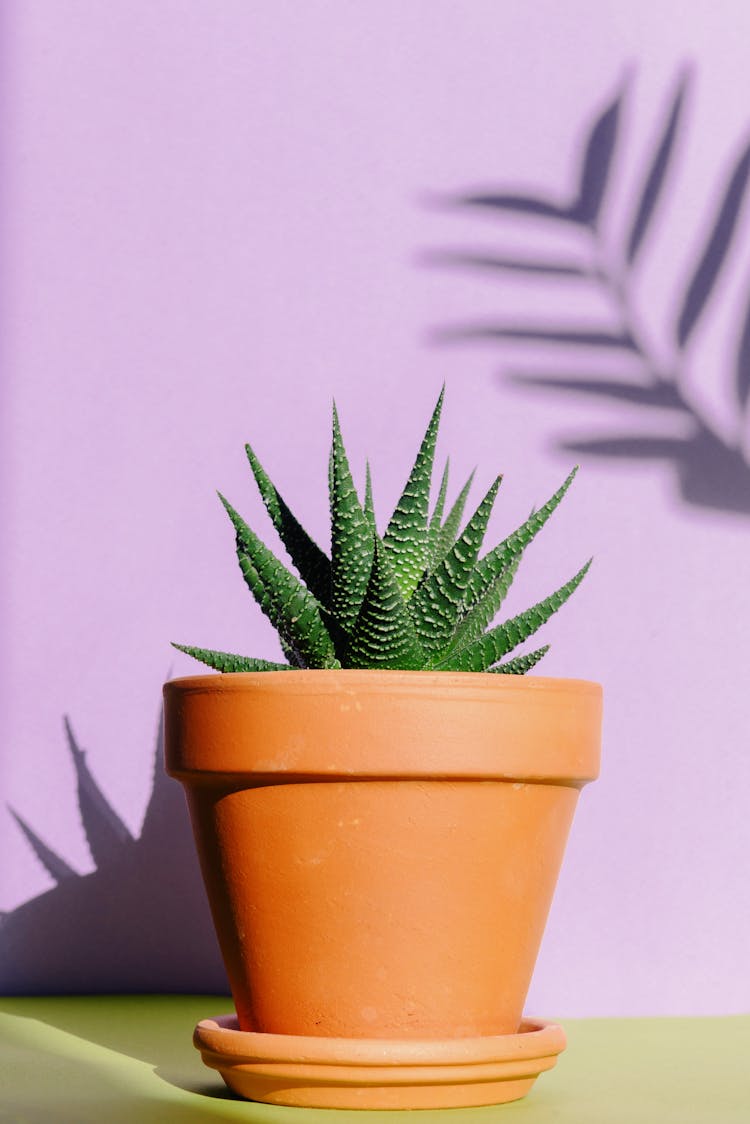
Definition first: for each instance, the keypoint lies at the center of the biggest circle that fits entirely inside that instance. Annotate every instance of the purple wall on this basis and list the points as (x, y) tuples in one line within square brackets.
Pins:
[(222, 214)]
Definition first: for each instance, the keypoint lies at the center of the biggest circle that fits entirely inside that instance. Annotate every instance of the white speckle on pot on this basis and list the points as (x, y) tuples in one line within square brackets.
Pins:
[(518, 785)]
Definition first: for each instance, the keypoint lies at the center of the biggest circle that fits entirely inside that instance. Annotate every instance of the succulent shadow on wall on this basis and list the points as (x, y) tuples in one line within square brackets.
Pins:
[(712, 470), (139, 922)]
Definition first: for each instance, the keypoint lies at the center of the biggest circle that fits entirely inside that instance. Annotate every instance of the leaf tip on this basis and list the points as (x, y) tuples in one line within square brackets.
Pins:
[(226, 504)]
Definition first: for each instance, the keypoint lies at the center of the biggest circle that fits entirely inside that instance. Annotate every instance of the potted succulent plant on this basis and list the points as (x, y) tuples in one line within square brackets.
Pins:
[(381, 819)]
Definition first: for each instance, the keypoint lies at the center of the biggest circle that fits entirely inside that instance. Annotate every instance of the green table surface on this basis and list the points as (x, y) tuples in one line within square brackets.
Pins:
[(130, 1059)]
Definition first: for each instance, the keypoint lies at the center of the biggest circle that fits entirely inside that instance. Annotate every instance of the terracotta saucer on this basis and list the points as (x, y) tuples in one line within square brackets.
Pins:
[(378, 1073)]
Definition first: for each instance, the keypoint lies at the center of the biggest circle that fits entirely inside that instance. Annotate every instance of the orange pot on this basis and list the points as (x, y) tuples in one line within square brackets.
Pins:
[(380, 848)]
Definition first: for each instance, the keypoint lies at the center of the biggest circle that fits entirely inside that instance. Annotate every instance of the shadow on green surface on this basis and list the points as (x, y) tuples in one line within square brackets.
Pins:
[(121, 1060), (130, 1060)]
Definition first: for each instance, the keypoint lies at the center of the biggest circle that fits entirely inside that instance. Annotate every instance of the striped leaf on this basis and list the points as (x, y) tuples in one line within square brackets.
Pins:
[(521, 664), (437, 602), (488, 649), (436, 519), (352, 541), (369, 502), (473, 623), (288, 604), (265, 600), (418, 598), (407, 538), (497, 560), (226, 661), (448, 533), (312, 564), (384, 636), (330, 464)]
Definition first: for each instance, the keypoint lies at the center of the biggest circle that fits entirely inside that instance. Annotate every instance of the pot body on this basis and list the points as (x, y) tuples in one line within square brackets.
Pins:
[(380, 848)]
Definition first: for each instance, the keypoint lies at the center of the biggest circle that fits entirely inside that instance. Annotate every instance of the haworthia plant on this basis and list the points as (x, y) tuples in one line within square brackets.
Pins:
[(420, 597)]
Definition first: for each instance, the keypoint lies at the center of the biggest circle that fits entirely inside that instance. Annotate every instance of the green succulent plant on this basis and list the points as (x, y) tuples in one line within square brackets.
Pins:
[(418, 597)]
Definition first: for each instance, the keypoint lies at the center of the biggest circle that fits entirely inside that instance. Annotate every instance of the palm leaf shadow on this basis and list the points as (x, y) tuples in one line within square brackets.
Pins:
[(595, 166), (712, 472), (662, 395), (569, 337), (658, 169), (710, 475), (138, 923)]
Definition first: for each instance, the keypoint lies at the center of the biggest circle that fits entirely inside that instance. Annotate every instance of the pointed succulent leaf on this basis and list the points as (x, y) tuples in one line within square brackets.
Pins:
[(448, 533), (311, 562), (352, 541), (330, 463), (265, 600), (500, 557), (288, 604), (437, 515), (488, 649), (407, 537), (473, 623), (383, 636), (227, 661), (289, 653), (418, 598), (437, 602), (268, 605), (521, 664), (369, 502)]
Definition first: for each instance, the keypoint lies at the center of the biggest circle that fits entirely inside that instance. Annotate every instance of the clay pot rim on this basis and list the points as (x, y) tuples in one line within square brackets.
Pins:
[(307, 679), (329, 724)]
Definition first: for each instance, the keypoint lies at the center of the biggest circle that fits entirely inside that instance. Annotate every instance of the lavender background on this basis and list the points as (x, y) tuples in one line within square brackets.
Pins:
[(220, 214)]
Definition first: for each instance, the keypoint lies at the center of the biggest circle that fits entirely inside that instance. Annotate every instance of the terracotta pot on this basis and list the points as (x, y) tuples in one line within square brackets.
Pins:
[(380, 848)]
